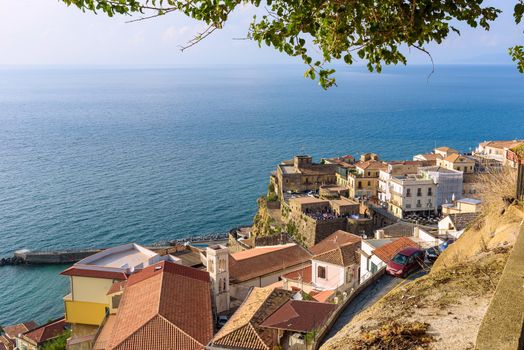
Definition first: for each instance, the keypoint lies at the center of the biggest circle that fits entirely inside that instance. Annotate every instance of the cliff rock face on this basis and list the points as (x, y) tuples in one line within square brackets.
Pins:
[(267, 220)]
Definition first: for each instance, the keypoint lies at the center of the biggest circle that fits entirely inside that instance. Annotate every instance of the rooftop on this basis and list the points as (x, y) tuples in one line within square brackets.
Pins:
[(257, 262), (334, 240), (399, 229), (453, 158), (47, 331), (502, 144), (470, 201), (440, 169), (302, 275), (377, 243), (300, 316), (446, 149), (309, 200), (345, 255), (14, 330), (388, 251), (166, 306), (243, 330), (462, 220)]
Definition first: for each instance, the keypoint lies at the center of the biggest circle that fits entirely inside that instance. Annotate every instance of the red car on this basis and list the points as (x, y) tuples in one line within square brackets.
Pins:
[(405, 262)]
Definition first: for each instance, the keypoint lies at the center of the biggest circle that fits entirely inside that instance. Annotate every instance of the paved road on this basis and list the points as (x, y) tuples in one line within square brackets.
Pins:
[(366, 298)]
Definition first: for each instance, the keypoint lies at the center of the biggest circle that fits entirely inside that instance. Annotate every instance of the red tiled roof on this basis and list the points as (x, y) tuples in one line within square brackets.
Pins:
[(300, 316), (117, 287), (455, 157), (302, 275), (164, 306), (243, 330), (323, 296), (333, 241), (89, 272), (13, 331), (344, 255), (388, 251), (372, 165), (263, 264), (47, 331)]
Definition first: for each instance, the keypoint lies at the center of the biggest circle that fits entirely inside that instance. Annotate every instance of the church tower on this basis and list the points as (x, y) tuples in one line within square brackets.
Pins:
[(218, 268)]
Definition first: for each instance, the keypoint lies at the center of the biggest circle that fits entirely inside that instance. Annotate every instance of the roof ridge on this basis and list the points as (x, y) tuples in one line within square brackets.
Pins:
[(111, 346), (257, 335), (180, 329)]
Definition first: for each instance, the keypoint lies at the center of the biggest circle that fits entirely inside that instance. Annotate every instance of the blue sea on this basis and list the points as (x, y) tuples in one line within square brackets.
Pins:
[(102, 156)]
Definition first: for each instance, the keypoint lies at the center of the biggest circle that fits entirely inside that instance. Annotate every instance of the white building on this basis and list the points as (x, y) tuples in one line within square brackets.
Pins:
[(412, 194), (218, 268), (336, 268), (449, 183), (455, 224)]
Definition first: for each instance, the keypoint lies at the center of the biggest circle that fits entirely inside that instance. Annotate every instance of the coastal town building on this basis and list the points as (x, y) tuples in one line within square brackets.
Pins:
[(455, 224), (36, 338), (497, 150), (458, 162), (362, 181), (302, 175), (244, 330), (449, 183), (463, 205), (376, 253), (347, 161), (428, 157), (263, 266), (292, 322), (218, 267), (90, 280), (8, 334), (445, 151), (412, 194), (164, 306), (313, 219), (336, 268), (393, 169)]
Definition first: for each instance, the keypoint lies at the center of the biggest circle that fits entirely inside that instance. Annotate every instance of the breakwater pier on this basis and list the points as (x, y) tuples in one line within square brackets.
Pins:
[(70, 256)]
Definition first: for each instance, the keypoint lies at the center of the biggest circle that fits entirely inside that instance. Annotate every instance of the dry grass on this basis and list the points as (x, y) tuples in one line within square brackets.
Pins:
[(497, 190), (395, 336)]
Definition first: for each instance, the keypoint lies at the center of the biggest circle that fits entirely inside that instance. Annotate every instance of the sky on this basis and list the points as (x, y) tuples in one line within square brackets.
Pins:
[(47, 32)]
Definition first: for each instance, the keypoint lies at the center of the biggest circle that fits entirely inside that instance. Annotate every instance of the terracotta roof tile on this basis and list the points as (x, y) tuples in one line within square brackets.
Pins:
[(243, 328), (455, 157), (322, 296), (333, 241), (13, 331), (345, 255), (165, 303), (95, 273), (269, 262), (300, 316), (388, 251), (372, 165), (302, 275), (47, 331)]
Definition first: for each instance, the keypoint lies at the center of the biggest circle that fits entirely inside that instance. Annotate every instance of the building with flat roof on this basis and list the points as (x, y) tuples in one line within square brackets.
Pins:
[(412, 194), (458, 162), (449, 183)]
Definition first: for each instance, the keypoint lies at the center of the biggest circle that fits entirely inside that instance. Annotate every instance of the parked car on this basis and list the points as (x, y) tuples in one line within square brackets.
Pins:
[(221, 321), (433, 253), (405, 262)]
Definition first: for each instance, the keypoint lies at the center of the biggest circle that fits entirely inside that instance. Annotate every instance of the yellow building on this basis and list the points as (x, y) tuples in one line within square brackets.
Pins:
[(458, 162), (363, 181)]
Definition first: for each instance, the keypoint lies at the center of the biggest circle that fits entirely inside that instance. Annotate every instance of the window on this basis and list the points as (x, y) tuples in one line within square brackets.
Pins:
[(430, 192), (359, 184), (321, 272), (369, 183), (115, 301), (419, 192), (408, 192), (418, 203), (408, 206)]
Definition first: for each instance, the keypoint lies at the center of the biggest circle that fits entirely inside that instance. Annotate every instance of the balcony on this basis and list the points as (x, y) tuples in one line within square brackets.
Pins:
[(84, 312)]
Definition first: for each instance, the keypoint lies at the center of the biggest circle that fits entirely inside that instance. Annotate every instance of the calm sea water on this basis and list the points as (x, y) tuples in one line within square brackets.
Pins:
[(97, 157)]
